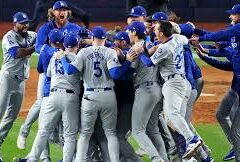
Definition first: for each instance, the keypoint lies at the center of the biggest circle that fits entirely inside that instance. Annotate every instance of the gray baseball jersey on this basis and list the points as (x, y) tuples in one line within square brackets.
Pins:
[(170, 54), (58, 79), (95, 61), (19, 67), (143, 73)]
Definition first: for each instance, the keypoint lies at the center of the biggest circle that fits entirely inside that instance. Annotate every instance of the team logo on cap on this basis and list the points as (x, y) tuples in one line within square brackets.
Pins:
[(24, 16), (132, 11), (62, 4)]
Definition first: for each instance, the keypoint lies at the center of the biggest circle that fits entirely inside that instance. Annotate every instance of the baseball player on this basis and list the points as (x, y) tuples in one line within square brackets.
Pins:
[(145, 113), (17, 46), (169, 57), (220, 36), (125, 96), (63, 102), (99, 65), (58, 18), (227, 103), (138, 13), (228, 66)]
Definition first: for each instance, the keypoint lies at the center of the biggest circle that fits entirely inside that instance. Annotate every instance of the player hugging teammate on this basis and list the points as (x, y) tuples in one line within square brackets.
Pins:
[(144, 83)]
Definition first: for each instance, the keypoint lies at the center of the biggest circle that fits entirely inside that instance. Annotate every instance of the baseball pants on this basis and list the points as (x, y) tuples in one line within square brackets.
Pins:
[(103, 103), (60, 104), (174, 91), (10, 102), (224, 110), (34, 110), (145, 115)]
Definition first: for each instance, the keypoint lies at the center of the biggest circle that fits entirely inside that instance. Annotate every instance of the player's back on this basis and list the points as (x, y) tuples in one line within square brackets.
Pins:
[(96, 62), (61, 80)]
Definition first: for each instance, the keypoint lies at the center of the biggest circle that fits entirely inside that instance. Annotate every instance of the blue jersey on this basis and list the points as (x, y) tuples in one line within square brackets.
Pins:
[(231, 36), (189, 65), (46, 54), (42, 34)]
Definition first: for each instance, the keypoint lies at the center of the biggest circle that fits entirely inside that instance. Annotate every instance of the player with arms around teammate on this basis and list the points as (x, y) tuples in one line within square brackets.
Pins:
[(99, 65), (169, 57), (63, 102), (58, 18), (17, 45), (145, 111)]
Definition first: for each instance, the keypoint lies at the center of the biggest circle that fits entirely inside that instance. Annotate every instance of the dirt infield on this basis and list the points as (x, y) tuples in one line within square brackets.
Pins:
[(216, 84)]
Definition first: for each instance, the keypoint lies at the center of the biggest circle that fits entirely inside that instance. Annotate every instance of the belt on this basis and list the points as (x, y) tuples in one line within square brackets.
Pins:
[(173, 75), (66, 90), (147, 83), (98, 89)]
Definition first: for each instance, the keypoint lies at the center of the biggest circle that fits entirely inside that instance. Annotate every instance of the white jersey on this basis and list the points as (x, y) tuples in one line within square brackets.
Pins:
[(170, 57), (94, 62), (61, 80), (19, 67)]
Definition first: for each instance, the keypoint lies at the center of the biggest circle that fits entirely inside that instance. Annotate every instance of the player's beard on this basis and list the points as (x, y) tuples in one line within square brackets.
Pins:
[(23, 32), (61, 20)]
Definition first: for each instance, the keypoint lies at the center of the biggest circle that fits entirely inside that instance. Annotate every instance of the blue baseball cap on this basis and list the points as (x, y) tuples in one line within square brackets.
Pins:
[(235, 9), (99, 32), (159, 16), (137, 26), (71, 40), (122, 35), (20, 17), (60, 4), (138, 11), (56, 36)]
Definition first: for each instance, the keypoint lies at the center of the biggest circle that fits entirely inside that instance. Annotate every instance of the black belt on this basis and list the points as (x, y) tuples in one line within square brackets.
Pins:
[(100, 89), (66, 90), (173, 75), (147, 83)]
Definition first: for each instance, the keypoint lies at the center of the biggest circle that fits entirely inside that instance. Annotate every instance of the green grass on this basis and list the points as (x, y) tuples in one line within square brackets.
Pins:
[(212, 135)]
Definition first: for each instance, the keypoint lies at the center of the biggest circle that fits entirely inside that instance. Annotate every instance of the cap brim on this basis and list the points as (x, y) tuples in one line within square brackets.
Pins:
[(67, 8), (117, 38), (134, 15), (232, 12), (24, 21)]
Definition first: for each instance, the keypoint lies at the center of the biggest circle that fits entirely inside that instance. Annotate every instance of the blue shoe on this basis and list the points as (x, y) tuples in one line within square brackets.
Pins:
[(230, 155), (208, 159), (192, 147), (60, 161), (19, 159)]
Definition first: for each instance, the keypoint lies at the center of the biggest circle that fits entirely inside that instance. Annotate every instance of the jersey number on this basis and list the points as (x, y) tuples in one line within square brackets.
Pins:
[(58, 67), (97, 69), (178, 60)]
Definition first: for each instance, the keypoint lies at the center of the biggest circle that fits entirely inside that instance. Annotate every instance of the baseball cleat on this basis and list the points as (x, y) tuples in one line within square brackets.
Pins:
[(208, 159), (21, 142), (15, 159), (192, 147), (230, 155)]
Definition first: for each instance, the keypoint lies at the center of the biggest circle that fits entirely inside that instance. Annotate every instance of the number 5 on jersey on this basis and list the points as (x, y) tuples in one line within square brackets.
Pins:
[(97, 69)]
